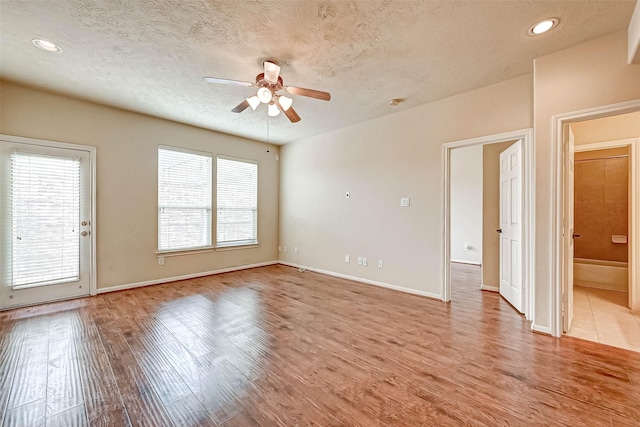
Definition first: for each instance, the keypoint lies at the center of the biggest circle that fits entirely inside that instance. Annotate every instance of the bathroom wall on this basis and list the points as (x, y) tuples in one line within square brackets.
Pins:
[(601, 204)]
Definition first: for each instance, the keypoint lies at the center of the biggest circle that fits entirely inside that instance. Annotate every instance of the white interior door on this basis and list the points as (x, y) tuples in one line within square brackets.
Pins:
[(511, 225), (568, 230), (45, 219)]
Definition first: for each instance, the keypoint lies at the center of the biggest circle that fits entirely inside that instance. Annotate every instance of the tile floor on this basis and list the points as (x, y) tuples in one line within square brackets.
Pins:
[(602, 316)]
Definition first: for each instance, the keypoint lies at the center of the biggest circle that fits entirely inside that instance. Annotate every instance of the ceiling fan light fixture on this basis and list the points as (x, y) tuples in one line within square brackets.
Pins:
[(285, 102), (253, 102), (273, 109), (271, 72), (543, 26), (264, 95), (46, 45)]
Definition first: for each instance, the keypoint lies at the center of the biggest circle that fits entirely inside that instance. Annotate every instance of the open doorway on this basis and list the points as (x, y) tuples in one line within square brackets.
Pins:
[(599, 279), (459, 246)]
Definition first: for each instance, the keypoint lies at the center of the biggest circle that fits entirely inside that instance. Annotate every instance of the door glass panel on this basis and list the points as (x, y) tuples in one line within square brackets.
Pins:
[(45, 216)]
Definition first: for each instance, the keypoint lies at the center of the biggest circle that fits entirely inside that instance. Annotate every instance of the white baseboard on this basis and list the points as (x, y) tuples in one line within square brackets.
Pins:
[(185, 277), (489, 288), (365, 281), (460, 261), (264, 264), (541, 329)]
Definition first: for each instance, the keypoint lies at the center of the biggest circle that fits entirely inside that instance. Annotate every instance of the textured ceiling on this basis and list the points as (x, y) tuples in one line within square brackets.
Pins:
[(149, 55)]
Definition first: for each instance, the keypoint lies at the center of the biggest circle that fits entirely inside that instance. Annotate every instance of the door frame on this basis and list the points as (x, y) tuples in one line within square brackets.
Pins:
[(528, 211), (93, 280), (558, 123)]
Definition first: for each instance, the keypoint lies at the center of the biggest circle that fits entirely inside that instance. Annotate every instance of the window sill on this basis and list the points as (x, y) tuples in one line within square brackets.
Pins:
[(180, 252), (235, 247)]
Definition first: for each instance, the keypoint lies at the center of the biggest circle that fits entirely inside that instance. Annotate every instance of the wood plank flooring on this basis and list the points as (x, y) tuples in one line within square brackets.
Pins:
[(275, 346)]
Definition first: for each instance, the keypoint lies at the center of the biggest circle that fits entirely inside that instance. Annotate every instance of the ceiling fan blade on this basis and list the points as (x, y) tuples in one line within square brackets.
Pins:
[(289, 112), (311, 93), (227, 81), (271, 72), (241, 107), (292, 115)]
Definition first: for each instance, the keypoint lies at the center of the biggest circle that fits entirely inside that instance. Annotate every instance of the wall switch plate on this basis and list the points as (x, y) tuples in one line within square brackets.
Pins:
[(161, 260), (346, 258), (359, 260), (379, 263), (405, 202), (295, 250), (285, 249), (364, 262), (279, 248)]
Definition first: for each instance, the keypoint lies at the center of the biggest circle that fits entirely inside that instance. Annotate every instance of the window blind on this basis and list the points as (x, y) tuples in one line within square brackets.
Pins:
[(184, 199), (45, 219), (237, 189)]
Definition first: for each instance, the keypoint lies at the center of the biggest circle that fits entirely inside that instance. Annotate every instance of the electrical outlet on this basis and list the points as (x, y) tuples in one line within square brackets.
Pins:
[(161, 260), (359, 260), (405, 202), (346, 258), (364, 262), (279, 248), (285, 249), (379, 263)]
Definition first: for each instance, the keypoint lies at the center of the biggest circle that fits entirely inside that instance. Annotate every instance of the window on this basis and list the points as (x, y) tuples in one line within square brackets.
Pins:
[(237, 220), (184, 199), (45, 219)]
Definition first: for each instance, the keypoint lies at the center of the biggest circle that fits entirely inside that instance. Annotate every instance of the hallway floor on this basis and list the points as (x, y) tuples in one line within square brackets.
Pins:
[(602, 316)]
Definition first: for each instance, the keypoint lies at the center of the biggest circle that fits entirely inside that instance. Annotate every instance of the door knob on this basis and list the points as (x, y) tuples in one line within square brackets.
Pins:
[(499, 230)]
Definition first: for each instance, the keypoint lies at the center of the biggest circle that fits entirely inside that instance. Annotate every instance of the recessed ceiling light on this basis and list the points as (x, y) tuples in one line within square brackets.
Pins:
[(543, 26), (46, 45)]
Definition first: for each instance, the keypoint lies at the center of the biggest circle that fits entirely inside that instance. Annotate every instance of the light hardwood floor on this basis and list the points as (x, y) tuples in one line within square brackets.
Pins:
[(275, 346)]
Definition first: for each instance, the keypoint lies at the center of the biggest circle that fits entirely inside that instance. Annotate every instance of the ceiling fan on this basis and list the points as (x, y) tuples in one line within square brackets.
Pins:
[(269, 83)]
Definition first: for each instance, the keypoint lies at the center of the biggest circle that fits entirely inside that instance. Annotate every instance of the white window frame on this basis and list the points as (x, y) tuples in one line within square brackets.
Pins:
[(226, 245), (188, 250)]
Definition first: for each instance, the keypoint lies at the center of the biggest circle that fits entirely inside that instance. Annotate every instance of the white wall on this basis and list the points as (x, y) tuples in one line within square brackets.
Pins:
[(466, 204), (127, 189), (380, 161)]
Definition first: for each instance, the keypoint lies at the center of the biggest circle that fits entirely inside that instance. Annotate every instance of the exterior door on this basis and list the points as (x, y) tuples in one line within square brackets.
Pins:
[(568, 230), (511, 225), (45, 220)]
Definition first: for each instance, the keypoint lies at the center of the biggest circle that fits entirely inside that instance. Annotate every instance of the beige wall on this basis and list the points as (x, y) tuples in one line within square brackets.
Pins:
[(491, 212), (592, 74), (466, 204), (379, 162), (623, 126), (127, 146)]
